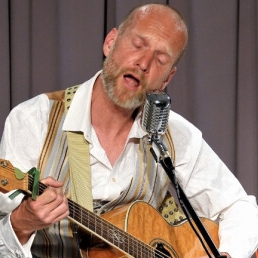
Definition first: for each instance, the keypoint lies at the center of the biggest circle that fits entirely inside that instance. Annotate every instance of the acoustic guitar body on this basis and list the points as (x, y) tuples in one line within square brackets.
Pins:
[(142, 221)]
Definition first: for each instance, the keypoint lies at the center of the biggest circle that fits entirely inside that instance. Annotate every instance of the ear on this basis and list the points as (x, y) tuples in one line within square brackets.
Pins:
[(109, 41), (171, 74)]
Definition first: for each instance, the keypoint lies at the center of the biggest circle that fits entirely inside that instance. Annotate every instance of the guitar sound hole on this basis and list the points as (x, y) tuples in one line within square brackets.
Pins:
[(162, 252), (163, 249)]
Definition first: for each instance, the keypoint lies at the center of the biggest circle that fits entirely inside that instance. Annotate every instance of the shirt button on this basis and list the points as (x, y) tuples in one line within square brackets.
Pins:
[(18, 253), (113, 179)]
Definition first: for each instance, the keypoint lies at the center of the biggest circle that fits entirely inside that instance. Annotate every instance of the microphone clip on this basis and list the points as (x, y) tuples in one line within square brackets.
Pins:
[(164, 157)]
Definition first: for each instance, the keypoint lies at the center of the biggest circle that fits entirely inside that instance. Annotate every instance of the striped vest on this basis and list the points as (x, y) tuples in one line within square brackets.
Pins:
[(149, 185)]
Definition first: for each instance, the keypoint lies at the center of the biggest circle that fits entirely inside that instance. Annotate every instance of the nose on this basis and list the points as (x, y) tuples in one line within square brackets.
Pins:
[(144, 61)]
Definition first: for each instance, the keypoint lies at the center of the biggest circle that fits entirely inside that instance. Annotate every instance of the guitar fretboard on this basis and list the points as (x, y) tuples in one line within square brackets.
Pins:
[(106, 230)]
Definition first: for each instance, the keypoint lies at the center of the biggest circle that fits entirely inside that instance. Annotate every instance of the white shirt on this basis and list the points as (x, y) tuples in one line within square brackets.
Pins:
[(107, 181), (211, 188)]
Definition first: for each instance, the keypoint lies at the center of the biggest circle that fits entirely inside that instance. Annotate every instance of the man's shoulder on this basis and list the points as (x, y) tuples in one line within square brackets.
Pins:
[(181, 126)]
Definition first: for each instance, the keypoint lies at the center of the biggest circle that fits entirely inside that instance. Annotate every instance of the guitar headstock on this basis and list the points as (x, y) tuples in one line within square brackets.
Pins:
[(11, 178)]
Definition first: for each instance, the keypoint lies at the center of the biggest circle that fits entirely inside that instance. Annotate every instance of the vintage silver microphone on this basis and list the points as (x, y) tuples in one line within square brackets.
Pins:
[(156, 112), (155, 119)]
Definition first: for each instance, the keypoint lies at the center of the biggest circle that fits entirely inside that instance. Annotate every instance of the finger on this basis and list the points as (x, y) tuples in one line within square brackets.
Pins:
[(61, 212), (50, 181), (51, 196), (48, 212), (56, 210)]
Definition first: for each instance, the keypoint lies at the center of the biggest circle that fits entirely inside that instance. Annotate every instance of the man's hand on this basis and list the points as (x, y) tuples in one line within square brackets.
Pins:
[(50, 207)]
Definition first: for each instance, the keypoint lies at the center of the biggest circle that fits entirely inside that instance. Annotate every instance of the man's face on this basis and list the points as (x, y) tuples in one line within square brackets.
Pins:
[(141, 59)]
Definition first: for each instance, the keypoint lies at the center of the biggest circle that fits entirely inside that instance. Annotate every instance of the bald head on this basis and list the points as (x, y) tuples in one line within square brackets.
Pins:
[(166, 16)]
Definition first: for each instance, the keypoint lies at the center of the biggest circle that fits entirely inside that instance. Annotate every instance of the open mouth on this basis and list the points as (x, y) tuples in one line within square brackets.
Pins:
[(132, 82)]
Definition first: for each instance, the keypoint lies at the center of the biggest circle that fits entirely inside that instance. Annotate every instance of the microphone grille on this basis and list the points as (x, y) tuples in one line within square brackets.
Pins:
[(156, 112)]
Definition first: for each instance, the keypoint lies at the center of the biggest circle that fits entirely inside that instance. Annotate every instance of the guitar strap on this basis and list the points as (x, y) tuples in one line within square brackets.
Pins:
[(79, 160), (78, 151)]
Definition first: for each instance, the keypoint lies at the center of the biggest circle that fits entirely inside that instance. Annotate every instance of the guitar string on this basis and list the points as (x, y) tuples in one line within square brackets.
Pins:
[(96, 220), (105, 225)]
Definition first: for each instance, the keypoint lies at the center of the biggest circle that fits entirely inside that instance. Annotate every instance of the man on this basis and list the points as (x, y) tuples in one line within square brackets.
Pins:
[(141, 55)]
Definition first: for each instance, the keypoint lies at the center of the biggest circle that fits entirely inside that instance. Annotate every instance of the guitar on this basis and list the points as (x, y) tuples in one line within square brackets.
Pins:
[(135, 230)]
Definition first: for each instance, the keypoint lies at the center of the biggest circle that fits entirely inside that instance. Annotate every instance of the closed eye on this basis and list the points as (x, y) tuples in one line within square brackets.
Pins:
[(138, 43), (163, 59)]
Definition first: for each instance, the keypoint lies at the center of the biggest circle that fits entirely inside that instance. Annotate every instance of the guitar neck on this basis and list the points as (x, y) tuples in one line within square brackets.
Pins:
[(103, 229)]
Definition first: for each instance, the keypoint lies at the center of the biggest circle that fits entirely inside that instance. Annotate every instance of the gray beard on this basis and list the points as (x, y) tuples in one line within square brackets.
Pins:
[(109, 85)]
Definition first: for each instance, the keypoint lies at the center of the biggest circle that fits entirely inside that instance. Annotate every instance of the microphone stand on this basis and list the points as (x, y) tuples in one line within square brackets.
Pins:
[(167, 164)]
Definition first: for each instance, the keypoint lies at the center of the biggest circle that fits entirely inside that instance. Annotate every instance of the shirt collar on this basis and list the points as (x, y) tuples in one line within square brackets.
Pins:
[(78, 118)]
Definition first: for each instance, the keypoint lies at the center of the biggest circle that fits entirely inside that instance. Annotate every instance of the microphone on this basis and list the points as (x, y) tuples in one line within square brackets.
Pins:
[(156, 112)]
